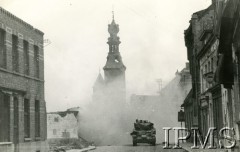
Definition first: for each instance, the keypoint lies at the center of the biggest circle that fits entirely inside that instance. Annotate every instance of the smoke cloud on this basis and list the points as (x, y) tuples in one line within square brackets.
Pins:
[(107, 122)]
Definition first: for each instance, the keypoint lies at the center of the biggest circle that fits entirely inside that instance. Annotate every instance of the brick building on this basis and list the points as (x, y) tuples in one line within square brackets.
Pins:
[(22, 102)]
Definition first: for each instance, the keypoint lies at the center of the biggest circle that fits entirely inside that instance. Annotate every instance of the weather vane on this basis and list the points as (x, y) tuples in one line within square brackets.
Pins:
[(113, 12)]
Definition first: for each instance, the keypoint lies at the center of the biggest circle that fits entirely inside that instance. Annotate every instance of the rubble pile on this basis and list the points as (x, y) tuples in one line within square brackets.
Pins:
[(64, 144)]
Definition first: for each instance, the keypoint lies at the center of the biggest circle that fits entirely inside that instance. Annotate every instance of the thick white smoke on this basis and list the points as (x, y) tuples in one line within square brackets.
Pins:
[(110, 123)]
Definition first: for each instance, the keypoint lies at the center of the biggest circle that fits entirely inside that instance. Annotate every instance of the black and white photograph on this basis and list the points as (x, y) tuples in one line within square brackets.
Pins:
[(119, 76)]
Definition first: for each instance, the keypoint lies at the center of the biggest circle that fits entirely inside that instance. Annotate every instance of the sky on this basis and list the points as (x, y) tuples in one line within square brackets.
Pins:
[(151, 32)]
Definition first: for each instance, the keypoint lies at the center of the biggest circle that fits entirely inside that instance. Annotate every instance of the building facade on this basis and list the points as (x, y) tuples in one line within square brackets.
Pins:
[(210, 91), (22, 101), (228, 70), (212, 42)]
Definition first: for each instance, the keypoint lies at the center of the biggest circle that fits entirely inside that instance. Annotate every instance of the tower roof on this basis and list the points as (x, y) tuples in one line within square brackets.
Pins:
[(113, 64), (99, 81), (113, 28), (114, 59)]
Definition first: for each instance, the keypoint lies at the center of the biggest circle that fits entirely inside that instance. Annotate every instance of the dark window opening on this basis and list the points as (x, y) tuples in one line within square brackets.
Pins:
[(209, 66), (16, 120), (212, 65), (36, 61), (15, 54), (26, 118), (56, 119), (4, 117), (66, 134), (3, 55), (37, 118), (26, 57)]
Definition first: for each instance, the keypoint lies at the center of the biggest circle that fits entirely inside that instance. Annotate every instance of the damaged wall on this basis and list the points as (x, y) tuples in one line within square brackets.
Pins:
[(62, 124)]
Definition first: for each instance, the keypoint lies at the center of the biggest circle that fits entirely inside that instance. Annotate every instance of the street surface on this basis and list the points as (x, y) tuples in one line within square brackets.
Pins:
[(139, 148)]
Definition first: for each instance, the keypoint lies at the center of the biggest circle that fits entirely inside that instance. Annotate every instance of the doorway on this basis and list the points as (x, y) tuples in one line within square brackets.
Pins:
[(4, 117)]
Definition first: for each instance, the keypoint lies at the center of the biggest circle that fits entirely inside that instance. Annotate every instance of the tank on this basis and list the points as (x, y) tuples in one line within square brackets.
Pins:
[(143, 132)]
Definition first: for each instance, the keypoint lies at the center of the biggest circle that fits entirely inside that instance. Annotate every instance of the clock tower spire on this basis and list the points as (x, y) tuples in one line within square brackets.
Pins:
[(114, 69)]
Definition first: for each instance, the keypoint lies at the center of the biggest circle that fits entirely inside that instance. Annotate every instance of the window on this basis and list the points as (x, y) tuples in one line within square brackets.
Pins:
[(206, 70), (36, 61), (56, 119), (26, 118), (16, 120), (54, 131), (202, 83), (15, 54), (37, 118), (212, 64), (26, 57), (3, 54), (66, 134), (209, 66), (217, 112)]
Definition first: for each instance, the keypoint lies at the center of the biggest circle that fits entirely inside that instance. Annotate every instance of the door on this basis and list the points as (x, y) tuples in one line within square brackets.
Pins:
[(4, 117)]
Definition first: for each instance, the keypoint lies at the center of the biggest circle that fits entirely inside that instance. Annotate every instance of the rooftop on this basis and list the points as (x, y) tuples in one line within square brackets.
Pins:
[(10, 15)]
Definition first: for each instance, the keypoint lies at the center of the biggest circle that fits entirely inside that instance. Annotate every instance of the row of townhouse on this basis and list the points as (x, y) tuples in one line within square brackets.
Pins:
[(213, 49)]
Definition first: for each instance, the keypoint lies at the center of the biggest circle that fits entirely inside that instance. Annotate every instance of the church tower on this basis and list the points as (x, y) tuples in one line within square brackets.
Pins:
[(114, 69), (112, 88)]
